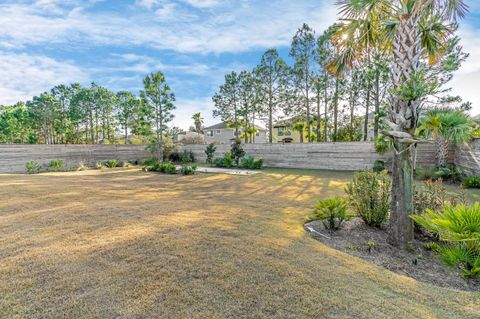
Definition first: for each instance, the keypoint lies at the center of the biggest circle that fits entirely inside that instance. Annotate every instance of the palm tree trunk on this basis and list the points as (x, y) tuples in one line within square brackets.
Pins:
[(442, 146), (335, 111), (377, 103), (403, 118), (401, 226)]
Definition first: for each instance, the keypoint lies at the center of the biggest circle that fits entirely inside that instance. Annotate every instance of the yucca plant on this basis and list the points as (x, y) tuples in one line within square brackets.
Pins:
[(458, 227), (332, 212)]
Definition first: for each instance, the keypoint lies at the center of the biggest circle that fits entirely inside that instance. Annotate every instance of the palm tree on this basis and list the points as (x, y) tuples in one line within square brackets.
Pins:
[(446, 127), (198, 122), (300, 128), (415, 33)]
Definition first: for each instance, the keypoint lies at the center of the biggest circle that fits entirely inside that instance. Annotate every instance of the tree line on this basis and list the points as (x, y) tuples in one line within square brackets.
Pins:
[(74, 114), (327, 92)]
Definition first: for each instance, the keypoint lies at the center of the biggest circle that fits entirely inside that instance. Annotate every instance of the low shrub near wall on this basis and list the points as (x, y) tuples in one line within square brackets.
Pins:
[(472, 182), (13, 157)]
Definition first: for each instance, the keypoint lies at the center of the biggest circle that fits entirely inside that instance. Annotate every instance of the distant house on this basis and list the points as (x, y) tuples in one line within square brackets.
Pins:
[(283, 132), (222, 134)]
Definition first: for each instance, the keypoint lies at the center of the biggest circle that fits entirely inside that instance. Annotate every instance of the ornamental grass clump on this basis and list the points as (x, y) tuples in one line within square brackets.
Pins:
[(458, 228), (370, 196), (331, 211)]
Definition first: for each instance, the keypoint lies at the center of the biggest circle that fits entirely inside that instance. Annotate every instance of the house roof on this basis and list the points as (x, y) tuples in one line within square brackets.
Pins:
[(224, 125), (289, 121), (218, 126)]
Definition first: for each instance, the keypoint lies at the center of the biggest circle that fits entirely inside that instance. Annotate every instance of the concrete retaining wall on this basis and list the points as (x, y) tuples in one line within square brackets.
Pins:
[(331, 156), (468, 157), (14, 156)]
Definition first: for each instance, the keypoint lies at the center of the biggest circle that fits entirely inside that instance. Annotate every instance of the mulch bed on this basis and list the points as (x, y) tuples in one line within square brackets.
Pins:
[(420, 264)]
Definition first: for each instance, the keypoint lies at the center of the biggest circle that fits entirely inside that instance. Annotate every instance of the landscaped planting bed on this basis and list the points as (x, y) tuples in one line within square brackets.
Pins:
[(359, 240)]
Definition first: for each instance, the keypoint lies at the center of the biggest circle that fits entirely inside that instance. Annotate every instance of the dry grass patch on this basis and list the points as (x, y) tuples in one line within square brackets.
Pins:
[(127, 244)]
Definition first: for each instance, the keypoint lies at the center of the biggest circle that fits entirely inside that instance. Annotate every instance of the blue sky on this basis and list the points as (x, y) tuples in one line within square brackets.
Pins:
[(194, 42)]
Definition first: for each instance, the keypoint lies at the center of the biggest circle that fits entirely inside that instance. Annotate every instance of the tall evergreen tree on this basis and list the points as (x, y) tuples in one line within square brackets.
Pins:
[(158, 99), (304, 52)]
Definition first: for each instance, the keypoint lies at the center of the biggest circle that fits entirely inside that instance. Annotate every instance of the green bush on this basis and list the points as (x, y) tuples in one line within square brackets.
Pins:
[(472, 182), (218, 162), (383, 144), (111, 163), (184, 157), (249, 162), (188, 169), (449, 172), (378, 166), (225, 161), (228, 160), (458, 228), (258, 163), (332, 212), (167, 168), (32, 167), (210, 152), (237, 152), (369, 194), (55, 164), (150, 161)]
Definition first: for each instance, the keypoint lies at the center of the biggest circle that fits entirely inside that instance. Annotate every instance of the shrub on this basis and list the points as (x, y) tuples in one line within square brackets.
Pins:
[(383, 144), (150, 161), (188, 170), (378, 166), (187, 157), (32, 167), (210, 152), (218, 162), (472, 182), (369, 194), (258, 163), (55, 164), (181, 157), (111, 163), (225, 161), (332, 212), (237, 152), (458, 228), (434, 196), (451, 172), (251, 163), (99, 165), (167, 168), (247, 162), (228, 160)]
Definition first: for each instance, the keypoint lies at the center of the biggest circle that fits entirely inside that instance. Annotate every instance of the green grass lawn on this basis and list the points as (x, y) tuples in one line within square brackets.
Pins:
[(126, 244)]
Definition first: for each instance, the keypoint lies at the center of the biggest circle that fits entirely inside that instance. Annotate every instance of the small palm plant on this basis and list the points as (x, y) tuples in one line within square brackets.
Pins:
[(446, 127), (332, 212), (459, 229)]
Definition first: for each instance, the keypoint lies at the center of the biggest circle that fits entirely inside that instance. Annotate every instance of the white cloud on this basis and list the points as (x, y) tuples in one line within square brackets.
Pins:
[(204, 4), (466, 80), (187, 107), (230, 27), (29, 75)]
